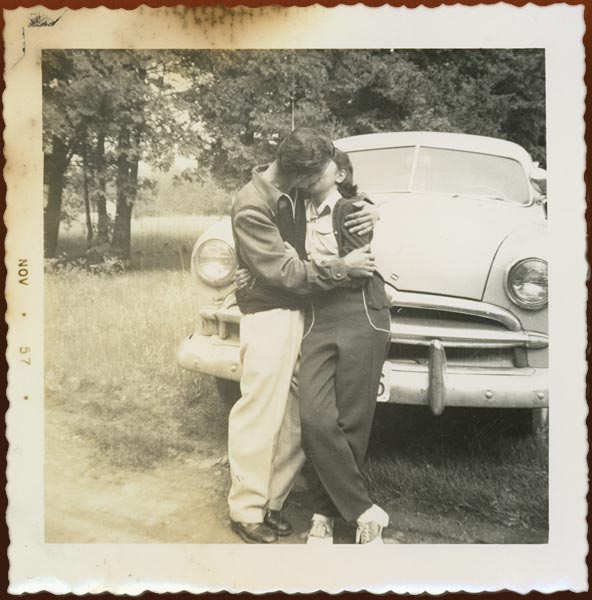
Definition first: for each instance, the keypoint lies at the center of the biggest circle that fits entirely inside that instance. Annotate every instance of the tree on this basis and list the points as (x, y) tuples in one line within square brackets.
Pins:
[(55, 169), (121, 104), (100, 178), (59, 137)]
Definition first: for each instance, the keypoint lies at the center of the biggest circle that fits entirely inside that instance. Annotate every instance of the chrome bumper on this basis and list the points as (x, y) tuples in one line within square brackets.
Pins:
[(211, 355), (437, 385), (433, 384)]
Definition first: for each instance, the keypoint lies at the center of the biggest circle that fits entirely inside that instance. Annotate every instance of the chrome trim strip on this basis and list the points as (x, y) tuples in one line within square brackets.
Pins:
[(419, 334), (537, 340), (408, 366), (456, 305)]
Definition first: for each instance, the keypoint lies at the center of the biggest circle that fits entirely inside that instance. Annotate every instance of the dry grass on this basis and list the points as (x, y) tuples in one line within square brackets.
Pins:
[(110, 363)]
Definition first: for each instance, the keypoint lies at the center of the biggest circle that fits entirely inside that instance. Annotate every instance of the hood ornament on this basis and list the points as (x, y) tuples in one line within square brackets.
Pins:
[(394, 276)]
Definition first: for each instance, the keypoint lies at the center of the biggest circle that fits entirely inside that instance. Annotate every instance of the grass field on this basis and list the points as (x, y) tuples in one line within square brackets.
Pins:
[(110, 348), (110, 365)]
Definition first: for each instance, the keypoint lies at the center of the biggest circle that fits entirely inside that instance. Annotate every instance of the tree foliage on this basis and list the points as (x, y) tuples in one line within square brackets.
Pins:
[(228, 110), (249, 97)]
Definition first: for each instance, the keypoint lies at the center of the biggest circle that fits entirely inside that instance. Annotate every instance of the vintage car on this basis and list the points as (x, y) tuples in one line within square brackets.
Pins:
[(462, 246)]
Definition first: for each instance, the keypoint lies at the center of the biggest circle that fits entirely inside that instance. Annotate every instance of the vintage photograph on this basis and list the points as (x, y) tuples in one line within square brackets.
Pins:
[(380, 375), (296, 286)]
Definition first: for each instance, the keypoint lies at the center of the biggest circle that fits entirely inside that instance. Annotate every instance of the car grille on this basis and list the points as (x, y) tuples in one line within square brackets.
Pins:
[(468, 339)]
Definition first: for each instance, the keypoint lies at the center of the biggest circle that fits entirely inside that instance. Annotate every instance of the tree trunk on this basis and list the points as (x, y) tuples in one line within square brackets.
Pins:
[(89, 225), (126, 188), (56, 164), (102, 217)]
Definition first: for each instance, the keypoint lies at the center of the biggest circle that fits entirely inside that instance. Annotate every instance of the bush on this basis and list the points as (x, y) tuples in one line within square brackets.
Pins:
[(92, 262)]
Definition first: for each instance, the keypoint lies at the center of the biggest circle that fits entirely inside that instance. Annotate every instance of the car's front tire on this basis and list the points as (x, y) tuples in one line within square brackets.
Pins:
[(229, 390)]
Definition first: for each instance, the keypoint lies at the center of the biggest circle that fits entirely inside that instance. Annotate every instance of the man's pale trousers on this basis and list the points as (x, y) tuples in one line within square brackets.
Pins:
[(264, 448)]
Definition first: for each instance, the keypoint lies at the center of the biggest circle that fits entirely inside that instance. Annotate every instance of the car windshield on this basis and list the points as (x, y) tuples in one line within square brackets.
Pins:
[(455, 172), (383, 169)]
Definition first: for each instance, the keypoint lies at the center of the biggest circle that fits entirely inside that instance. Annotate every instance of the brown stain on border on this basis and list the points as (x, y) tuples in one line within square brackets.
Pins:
[(221, 24)]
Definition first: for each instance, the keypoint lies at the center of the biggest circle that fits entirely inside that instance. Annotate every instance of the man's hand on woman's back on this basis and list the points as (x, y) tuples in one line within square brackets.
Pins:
[(362, 220), (243, 279)]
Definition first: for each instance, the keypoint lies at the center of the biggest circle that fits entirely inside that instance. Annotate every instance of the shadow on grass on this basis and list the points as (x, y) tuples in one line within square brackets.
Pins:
[(458, 432), (477, 462)]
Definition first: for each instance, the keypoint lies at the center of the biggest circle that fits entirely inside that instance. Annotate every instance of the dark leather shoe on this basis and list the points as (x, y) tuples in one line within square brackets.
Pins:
[(275, 521), (254, 533)]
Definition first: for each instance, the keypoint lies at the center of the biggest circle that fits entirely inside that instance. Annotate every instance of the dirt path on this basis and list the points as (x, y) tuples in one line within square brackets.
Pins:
[(185, 502)]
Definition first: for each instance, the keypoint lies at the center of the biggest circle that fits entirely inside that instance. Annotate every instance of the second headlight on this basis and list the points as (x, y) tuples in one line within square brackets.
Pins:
[(527, 283)]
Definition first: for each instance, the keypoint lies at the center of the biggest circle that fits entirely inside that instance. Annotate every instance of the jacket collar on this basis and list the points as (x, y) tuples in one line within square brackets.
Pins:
[(267, 190)]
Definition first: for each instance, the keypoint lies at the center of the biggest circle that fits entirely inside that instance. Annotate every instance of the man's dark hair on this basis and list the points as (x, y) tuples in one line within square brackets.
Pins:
[(304, 152), (346, 188)]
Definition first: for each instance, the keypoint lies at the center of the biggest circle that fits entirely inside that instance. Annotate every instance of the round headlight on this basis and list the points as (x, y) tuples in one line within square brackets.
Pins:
[(215, 262), (528, 283)]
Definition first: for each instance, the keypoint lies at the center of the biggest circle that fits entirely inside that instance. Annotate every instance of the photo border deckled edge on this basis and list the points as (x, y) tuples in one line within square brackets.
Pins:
[(588, 209)]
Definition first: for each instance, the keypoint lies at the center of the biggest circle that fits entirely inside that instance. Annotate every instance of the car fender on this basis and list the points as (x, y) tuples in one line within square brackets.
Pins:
[(528, 241)]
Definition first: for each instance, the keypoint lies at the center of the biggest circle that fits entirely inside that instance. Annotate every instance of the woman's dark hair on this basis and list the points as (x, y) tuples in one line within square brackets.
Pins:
[(304, 152), (346, 188)]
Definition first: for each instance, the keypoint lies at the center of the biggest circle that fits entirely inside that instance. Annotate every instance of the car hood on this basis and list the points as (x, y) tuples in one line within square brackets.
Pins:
[(439, 244)]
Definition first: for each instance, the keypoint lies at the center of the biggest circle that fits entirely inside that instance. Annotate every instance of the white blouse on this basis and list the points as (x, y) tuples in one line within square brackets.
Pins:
[(321, 242)]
